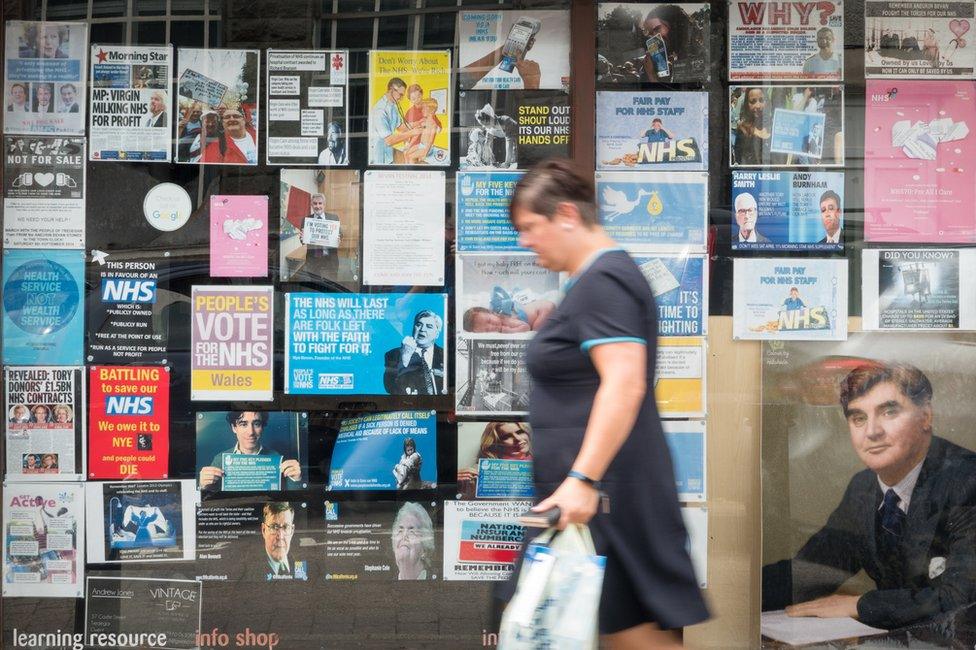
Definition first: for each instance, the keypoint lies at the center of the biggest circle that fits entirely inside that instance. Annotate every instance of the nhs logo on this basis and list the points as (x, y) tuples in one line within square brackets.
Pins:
[(128, 290), (128, 405)]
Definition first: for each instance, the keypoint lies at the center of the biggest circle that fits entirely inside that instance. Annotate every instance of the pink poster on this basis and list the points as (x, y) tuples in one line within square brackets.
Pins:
[(919, 174), (238, 236)]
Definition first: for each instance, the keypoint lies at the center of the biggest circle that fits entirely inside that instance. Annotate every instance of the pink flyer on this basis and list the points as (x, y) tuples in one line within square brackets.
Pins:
[(918, 173), (238, 236)]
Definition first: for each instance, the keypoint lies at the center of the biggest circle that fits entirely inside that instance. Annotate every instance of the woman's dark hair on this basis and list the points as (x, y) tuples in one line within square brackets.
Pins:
[(552, 182), (678, 25), (745, 115), (409, 443)]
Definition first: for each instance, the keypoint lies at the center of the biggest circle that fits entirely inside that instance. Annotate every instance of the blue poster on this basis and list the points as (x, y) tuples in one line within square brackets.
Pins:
[(482, 211), (43, 309), (366, 344), (661, 209), (386, 451), (504, 479), (680, 290), (788, 210), (798, 132), (686, 441), (252, 451), (651, 130)]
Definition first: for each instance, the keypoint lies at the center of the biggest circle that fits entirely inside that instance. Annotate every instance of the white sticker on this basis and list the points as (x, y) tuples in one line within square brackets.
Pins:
[(284, 110), (284, 85), (167, 207), (325, 96), (313, 122)]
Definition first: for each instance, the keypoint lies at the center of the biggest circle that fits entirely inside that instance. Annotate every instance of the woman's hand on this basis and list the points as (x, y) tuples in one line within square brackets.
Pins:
[(577, 501)]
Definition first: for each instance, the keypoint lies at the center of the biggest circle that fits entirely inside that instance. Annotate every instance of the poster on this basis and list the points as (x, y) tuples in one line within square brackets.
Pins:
[(494, 460), (789, 299), (366, 344), (503, 294), (247, 541), (44, 192), (653, 42), (482, 200), (381, 541), (252, 451), (652, 130), (491, 377), (918, 289), (308, 107), (514, 50), (43, 308), (790, 41), (696, 524), (131, 103), (403, 228), (124, 608), (44, 77), (238, 236), (679, 376), (820, 477), (918, 185), (679, 283), (775, 210), (918, 40), (217, 121), (512, 130), (686, 441), (386, 451), (127, 321), (43, 540), (141, 521), (45, 430), (663, 210), (128, 412), (786, 126), (327, 200), (482, 540), (410, 107), (231, 356)]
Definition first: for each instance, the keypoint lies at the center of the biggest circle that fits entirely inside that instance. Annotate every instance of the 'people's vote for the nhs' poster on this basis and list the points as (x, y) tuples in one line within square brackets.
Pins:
[(366, 344), (798, 299), (386, 451), (658, 210), (43, 307)]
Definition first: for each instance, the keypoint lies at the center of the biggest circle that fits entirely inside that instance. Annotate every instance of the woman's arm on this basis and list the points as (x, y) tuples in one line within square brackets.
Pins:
[(623, 385)]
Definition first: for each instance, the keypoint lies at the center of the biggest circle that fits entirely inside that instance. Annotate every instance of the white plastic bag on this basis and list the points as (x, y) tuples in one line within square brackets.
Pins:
[(557, 596)]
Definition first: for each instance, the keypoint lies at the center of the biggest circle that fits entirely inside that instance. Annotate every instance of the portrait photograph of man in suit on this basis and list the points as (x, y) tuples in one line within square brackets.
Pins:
[(277, 531), (898, 547), (416, 367)]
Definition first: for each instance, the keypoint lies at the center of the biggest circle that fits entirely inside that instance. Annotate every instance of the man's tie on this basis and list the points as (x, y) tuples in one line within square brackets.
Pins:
[(428, 375), (892, 523), (282, 569)]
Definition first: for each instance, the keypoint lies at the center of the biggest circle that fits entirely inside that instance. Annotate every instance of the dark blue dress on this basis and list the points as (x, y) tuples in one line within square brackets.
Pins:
[(649, 575)]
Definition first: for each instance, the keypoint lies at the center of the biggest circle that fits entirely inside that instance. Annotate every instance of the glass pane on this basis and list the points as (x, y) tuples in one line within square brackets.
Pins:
[(440, 3), (392, 5), (66, 9), (153, 33), (356, 34), (395, 31), (149, 7), (215, 33), (438, 30), (187, 7), (108, 8), (325, 34), (355, 6), (108, 33), (186, 33)]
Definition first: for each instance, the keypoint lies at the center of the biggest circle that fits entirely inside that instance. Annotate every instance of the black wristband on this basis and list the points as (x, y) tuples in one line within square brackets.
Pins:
[(580, 476)]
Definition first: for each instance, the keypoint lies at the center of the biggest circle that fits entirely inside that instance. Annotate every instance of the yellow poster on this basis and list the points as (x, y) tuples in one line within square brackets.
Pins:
[(410, 107), (679, 383)]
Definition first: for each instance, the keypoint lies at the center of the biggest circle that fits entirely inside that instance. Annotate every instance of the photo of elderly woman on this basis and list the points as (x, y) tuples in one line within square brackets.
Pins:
[(413, 543)]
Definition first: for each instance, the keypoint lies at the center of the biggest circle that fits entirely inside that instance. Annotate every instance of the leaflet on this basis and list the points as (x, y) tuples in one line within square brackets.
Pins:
[(238, 236), (45, 431), (494, 460), (679, 377), (503, 296), (491, 377), (482, 540), (126, 607), (696, 523), (386, 451), (44, 192), (131, 103), (512, 130), (482, 200), (679, 283), (686, 441)]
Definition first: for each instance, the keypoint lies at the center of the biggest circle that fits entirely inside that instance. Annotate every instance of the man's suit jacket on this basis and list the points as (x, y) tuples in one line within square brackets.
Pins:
[(940, 526), (398, 378), (824, 240), (760, 238)]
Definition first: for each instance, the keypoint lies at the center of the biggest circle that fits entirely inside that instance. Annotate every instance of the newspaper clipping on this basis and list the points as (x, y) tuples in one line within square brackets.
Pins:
[(787, 299), (786, 41), (410, 107), (512, 130), (308, 107), (652, 42), (494, 460), (131, 103), (514, 50), (238, 236), (482, 540), (918, 40), (482, 200), (141, 521), (788, 210), (386, 451), (231, 350), (45, 423), (218, 106), (491, 377), (44, 192), (43, 307), (44, 77), (679, 283), (44, 540)]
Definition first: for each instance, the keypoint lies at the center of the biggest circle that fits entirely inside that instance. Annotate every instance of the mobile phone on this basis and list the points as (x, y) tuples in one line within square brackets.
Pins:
[(545, 519), (518, 41), (658, 51)]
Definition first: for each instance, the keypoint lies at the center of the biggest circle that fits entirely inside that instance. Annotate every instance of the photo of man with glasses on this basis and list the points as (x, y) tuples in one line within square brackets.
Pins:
[(277, 530), (746, 216)]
